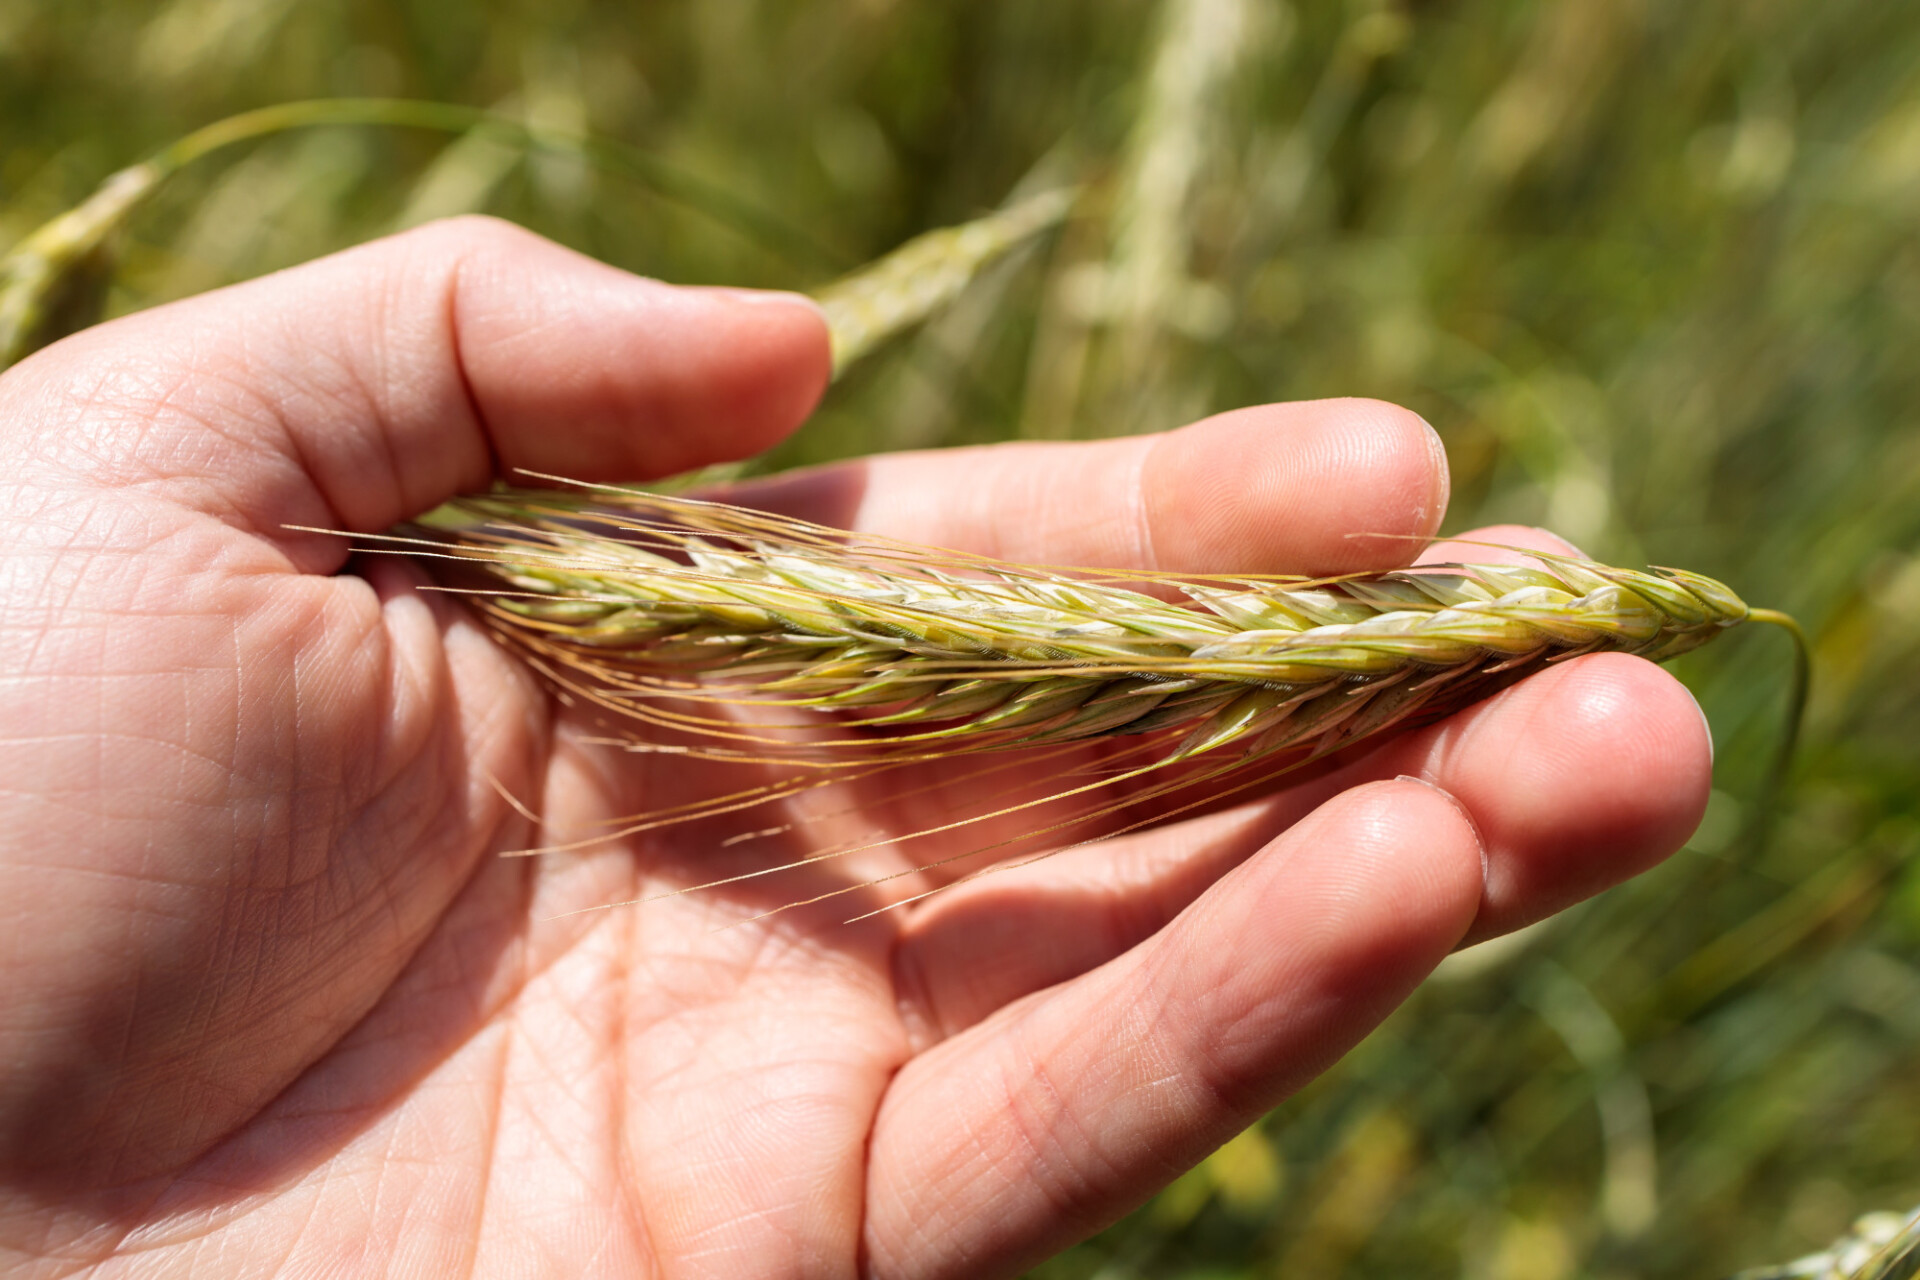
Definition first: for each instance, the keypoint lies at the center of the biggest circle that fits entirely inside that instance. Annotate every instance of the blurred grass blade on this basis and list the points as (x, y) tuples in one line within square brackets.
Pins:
[(1773, 787)]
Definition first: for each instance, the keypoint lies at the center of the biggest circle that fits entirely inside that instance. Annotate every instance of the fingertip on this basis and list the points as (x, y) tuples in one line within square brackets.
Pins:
[(1423, 849), (1356, 902), (1659, 756), (592, 372), (1663, 751), (1607, 771), (783, 361), (1327, 486)]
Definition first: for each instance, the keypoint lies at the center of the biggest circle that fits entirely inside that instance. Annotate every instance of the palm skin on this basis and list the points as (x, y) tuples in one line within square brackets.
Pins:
[(273, 1004)]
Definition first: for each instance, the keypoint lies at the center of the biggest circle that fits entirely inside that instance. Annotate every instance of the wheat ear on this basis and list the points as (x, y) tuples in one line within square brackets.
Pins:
[(658, 600), (712, 627)]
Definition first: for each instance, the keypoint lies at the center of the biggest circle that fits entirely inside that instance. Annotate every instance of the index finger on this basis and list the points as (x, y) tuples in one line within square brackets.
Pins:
[(1314, 487)]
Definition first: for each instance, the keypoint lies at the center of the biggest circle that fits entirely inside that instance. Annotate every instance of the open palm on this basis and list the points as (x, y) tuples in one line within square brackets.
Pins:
[(271, 1003)]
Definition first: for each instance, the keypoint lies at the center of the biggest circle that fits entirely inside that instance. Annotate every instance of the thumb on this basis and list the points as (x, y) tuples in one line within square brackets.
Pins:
[(367, 387)]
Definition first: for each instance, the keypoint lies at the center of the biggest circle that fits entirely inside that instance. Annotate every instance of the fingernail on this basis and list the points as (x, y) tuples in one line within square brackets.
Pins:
[(1571, 549), (762, 297), (1706, 725), (1442, 492), (1465, 813)]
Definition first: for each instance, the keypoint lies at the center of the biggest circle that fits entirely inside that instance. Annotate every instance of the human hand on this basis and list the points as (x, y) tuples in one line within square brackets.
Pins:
[(273, 1004)]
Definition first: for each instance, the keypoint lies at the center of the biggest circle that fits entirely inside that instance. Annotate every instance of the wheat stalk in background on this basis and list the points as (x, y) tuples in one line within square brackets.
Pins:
[(906, 286), (1181, 132)]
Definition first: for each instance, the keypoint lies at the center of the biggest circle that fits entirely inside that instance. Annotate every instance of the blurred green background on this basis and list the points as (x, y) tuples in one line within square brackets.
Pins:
[(1652, 268)]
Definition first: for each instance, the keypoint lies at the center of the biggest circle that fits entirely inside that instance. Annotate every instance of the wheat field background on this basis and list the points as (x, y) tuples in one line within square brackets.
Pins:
[(1651, 268)]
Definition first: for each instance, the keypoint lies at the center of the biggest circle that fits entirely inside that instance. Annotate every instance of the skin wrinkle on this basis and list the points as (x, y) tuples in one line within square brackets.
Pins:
[(357, 452), (932, 1222), (231, 947), (38, 639), (321, 1113), (1121, 909), (106, 419), (329, 515), (399, 1214), (489, 1165), (211, 401), (1041, 1122), (550, 1071), (1194, 1069), (317, 1196), (633, 1207), (386, 392), (915, 1003), (862, 1247), (1047, 1130), (472, 414), (379, 891), (475, 1019), (380, 1197), (1148, 1076), (187, 402)]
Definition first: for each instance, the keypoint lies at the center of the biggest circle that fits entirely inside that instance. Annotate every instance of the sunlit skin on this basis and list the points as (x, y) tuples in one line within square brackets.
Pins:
[(273, 1003)]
